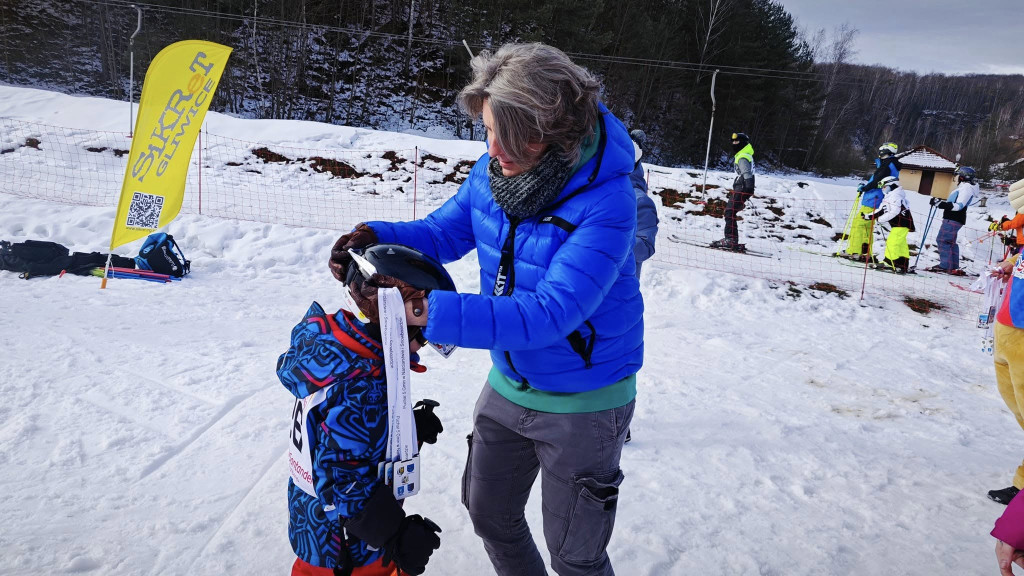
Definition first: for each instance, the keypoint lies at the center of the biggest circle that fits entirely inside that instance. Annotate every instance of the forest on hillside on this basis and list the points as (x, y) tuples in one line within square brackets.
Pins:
[(398, 64)]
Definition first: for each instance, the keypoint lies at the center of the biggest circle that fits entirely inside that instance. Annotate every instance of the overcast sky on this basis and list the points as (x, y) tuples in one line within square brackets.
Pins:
[(946, 36)]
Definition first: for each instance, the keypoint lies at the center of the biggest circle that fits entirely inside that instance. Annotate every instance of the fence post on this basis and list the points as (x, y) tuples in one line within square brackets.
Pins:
[(415, 173), (200, 170)]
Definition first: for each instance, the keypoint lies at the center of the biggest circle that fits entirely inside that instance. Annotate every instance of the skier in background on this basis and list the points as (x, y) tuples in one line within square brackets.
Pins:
[(742, 190), (886, 165), (894, 209), (1015, 226), (954, 216), (646, 211)]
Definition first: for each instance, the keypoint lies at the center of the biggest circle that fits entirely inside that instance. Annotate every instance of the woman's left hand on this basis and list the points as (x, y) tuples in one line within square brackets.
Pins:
[(414, 298), (1006, 555)]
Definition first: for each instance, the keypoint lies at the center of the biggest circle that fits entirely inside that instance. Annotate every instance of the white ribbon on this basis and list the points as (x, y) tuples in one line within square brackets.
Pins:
[(402, 462)]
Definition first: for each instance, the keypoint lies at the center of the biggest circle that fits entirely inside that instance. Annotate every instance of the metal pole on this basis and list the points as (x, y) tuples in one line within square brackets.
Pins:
[(711, 128), (131, 74), (467, 48)]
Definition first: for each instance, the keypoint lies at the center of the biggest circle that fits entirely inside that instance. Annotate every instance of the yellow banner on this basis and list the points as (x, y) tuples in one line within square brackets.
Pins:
[(176, 94)]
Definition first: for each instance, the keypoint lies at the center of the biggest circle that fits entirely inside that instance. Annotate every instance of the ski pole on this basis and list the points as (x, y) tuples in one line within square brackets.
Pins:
[(924, 237), (849, 224), (868, 257)]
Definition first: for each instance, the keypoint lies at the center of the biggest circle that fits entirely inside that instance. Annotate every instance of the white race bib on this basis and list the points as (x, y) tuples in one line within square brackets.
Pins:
[(300, 460)]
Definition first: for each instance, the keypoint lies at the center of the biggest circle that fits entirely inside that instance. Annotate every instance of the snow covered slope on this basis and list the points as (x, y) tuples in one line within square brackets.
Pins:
[(779, 430)]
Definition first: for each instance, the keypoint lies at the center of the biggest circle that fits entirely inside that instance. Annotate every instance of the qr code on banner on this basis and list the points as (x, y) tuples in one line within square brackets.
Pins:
[(144, 211)]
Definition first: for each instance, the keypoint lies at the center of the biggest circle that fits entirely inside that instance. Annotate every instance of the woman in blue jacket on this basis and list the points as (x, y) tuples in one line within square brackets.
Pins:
[(551, 212)]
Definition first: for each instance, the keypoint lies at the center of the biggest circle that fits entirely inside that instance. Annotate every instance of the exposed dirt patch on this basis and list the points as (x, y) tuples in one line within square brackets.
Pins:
[(829, 289), (670, 197), (269, 156), (922, 305), (460, 173), (95, 149), (432, 158), (713, 207), (821, 221), (337, 168), (395, 159), (32, 143)]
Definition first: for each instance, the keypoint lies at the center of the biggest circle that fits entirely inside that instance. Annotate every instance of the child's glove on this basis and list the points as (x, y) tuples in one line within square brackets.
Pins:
[(406, 541), (428, 425), (868, 216), (934, 201), (410, 548), (860, 188), (366, 295), (361, 237)]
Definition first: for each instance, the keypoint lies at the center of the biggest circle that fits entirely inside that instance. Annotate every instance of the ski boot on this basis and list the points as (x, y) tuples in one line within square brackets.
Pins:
[(1003, 496)]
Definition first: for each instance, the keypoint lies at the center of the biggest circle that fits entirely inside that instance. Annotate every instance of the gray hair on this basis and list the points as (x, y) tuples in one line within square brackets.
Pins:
[(537, 94)]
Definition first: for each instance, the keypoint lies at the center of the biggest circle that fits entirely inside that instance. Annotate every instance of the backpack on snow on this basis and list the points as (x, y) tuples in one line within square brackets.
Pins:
[(34, 258), (160, 253)]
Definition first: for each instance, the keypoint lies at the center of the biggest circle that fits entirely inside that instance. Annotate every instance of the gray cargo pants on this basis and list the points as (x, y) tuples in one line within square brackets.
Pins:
[(578, 457)]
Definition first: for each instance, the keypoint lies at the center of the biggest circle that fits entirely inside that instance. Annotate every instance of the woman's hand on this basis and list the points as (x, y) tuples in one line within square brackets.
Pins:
[(1006, 555), (415, 299), (1005, 268), (361, 237)]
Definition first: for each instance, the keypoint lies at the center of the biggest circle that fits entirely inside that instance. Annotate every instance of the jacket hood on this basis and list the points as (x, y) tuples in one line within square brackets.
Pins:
[(326, 349), (614, 156)]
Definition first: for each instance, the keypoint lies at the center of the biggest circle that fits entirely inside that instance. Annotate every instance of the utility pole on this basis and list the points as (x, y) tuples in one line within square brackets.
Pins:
[(707, 155), (131, 73)]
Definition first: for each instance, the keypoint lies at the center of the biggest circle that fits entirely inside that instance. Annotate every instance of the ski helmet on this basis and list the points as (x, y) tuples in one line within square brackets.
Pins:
[(739, 141), (406, 264), (966, 174), (887, 149), (639, 137), (889, 181)]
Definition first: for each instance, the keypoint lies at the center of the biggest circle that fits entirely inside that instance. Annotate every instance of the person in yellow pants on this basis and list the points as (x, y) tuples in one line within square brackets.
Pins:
[(860, 228), (1009, 351), (896, 210)]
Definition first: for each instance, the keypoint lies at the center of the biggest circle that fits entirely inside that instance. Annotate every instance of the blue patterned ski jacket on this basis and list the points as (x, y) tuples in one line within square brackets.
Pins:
[(348, 431)]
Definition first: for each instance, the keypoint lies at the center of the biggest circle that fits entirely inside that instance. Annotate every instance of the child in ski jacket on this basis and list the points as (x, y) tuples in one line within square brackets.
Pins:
[(342, 516), (896, 210), (871, 195)]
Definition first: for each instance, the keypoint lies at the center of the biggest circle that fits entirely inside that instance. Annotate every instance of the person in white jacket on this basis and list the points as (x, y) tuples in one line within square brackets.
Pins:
[(896, 210), (954, 216)]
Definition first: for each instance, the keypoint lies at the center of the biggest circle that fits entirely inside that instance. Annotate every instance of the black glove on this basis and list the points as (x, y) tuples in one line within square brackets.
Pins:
[(944, 205), (428, 425), (934, 201), (411, 547), (361, 237), (379, 520), (868, 216)]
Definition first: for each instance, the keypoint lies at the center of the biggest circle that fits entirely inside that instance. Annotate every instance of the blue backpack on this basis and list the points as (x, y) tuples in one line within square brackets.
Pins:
[(160, 253)]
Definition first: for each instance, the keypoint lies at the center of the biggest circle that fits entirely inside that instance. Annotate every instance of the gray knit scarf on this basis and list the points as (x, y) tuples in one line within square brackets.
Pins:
[(526, 194)]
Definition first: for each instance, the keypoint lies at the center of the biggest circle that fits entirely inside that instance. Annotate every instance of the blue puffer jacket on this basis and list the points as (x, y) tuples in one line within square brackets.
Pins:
[(571, 319)]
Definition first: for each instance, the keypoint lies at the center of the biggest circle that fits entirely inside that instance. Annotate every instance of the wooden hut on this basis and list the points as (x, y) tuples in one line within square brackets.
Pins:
[(927, 172)]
